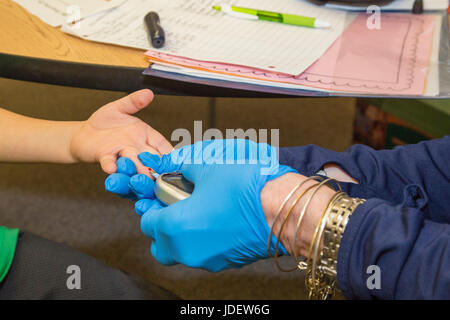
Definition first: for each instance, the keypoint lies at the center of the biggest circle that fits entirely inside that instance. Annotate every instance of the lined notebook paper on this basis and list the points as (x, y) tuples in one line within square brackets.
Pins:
[(196, 31)]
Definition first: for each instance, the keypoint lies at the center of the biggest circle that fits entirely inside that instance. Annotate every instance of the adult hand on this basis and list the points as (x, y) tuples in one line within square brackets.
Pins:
[(113, 131), (222, 224)]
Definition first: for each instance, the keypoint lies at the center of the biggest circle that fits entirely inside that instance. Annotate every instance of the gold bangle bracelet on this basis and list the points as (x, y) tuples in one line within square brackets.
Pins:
[(280, 209), (302, 213), (283, 224), (320, 263)]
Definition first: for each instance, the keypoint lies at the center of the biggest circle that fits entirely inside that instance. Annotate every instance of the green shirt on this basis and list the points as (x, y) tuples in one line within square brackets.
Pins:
[(8, 241)]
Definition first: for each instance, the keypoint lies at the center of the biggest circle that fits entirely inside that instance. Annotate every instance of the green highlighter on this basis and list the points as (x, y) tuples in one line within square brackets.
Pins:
[(254, 14)]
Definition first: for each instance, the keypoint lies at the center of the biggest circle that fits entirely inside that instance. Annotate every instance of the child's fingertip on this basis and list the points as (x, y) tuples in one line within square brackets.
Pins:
[(112, 168), (109, 169)]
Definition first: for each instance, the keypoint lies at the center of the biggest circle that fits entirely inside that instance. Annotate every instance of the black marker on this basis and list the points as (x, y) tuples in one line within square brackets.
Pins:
[(418, 7), (154, 29)]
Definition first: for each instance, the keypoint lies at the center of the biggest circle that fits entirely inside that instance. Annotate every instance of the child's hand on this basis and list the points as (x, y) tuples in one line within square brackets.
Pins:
[(113, 132)]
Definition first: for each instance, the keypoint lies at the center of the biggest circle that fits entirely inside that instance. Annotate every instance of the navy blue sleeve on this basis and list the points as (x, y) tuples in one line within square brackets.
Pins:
[(384, 174), (411, 252), (404, 226)]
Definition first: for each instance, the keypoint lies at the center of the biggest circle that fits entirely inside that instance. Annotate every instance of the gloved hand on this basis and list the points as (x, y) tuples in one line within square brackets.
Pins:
[(127, 184), (221, 225)]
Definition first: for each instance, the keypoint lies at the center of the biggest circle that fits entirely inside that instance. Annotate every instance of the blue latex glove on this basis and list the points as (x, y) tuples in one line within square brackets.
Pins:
[(222, 224), (127, 184)]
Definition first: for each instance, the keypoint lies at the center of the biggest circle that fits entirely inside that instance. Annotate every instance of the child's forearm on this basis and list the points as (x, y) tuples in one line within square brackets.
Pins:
[(24, 139)]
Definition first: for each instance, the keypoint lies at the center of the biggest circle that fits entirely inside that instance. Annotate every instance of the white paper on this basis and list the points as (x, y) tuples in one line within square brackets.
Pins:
[(58, 12), (397, 5), (193, 29)]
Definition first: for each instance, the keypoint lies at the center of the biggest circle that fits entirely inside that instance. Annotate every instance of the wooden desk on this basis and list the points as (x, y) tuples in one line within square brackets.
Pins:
[(31, 50), (24, 34)]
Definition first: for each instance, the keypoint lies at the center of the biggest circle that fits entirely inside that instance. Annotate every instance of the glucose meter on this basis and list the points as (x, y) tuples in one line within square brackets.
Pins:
[(172, 187)]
